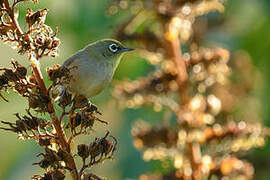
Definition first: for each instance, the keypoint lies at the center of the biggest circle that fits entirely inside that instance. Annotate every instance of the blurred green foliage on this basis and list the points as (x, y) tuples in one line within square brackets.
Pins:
[(81, 22)]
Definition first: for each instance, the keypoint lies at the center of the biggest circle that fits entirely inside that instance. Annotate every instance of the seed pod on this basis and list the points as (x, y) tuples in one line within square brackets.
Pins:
[(58, 175), (44, 141), (35, 17), (102, 147), (83, 151)]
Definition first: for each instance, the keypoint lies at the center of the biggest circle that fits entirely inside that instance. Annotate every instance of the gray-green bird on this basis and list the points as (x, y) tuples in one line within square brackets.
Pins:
[(92, 68)]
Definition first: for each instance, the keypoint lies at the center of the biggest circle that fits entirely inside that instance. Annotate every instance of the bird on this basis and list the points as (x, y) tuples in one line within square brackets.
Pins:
[(92, 68)]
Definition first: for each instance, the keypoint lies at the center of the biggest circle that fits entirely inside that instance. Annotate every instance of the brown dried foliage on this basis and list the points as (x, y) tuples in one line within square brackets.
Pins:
[(205, 88), (38, 41)]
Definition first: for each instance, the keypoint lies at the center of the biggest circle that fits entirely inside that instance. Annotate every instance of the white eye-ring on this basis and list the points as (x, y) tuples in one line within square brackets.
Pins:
[(113, 48)]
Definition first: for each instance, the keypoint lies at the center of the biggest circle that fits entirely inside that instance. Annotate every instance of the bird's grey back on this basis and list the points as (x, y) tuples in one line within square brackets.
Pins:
[(71, 59)]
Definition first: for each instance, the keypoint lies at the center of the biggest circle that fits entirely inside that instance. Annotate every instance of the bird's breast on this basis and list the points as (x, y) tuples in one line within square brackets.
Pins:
[(93, 77)]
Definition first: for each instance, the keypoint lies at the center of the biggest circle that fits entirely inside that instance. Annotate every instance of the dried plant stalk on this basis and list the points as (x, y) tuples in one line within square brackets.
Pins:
[(36, 42), (198, 86)]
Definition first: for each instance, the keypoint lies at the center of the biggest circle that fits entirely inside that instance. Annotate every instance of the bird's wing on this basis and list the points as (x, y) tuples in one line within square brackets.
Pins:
[(71, 67), (70, 62)]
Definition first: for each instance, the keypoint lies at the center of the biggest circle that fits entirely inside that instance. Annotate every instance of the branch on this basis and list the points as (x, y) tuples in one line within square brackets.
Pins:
[(173, 47), (56, 122), (195, 158), (174, 51), (61, 137)]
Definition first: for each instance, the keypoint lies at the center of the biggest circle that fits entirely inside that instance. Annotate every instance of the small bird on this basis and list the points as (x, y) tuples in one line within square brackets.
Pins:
[(92, 68)]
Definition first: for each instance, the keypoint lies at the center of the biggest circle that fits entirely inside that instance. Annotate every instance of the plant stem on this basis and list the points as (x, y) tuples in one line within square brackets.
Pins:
[(61, 136), (173, 47), (174, 51), (56, 122)]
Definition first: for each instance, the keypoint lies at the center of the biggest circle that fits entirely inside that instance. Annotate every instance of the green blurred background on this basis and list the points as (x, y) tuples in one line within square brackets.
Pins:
[(81, 22)]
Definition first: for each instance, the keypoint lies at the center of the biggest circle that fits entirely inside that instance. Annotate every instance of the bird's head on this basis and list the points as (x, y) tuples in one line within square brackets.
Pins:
[(108, 50)]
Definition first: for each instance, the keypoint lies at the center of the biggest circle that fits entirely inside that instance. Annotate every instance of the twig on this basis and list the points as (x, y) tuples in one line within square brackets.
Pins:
[(85, 166), (62, 115), (10, 11)]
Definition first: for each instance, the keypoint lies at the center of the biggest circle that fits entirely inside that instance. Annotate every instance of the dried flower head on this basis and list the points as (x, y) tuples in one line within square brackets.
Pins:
[(36, 41), (201, 86)]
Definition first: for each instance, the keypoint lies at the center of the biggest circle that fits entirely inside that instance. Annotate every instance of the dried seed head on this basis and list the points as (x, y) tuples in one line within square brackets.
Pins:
[(57, 71), (44, 141), (83, 151), (50, 175), (52, 159), (103, 147), (38, 100), (36, 17), (3, 81), (25, 123), (58, 175)]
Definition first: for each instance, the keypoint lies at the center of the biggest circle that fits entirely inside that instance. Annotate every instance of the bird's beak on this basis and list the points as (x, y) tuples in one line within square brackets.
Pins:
[(124, 49)]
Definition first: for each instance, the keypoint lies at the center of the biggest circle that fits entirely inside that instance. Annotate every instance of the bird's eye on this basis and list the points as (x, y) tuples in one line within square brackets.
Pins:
[(113, 48)]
